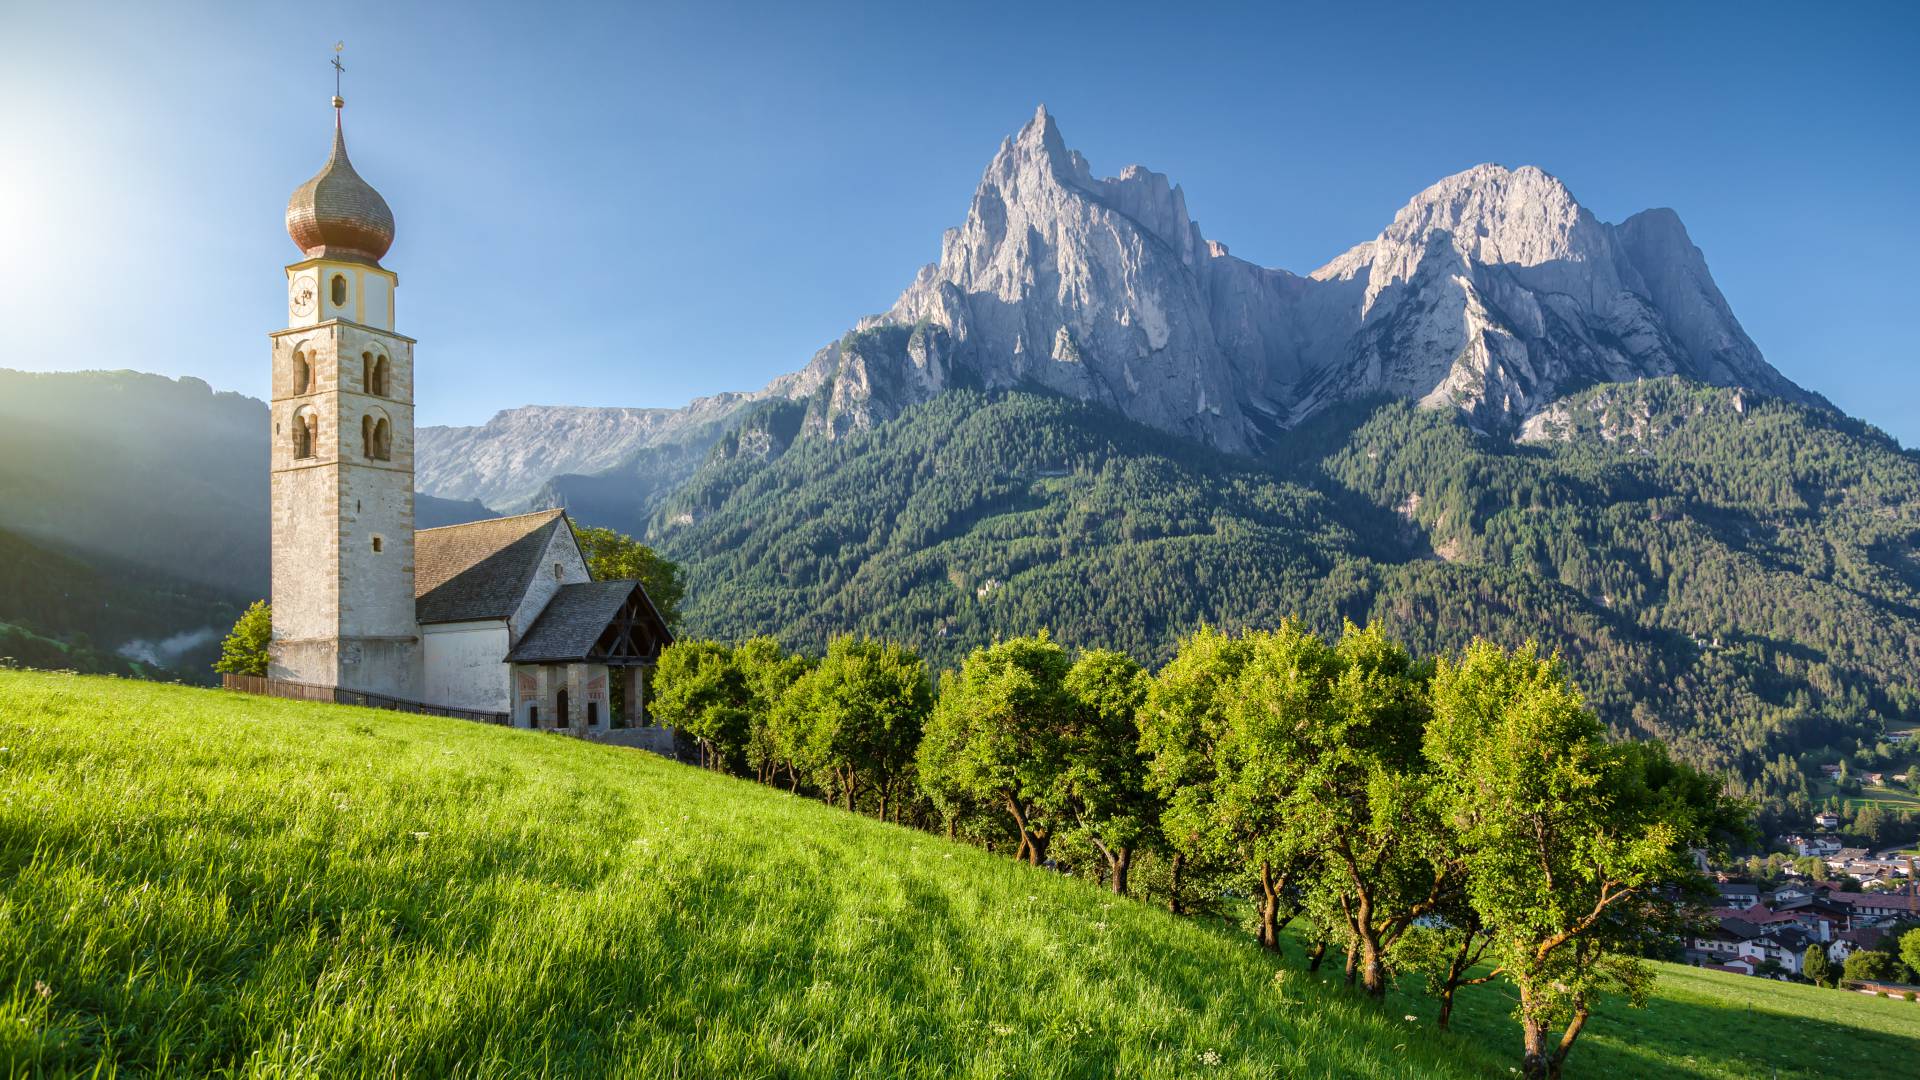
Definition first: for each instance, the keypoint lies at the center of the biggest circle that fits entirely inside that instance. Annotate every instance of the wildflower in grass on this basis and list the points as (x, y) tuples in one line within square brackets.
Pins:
[(1003, 1030), (1411, 1018), (1210, 1057), (1100, 926), (421, 835), (42, 988)]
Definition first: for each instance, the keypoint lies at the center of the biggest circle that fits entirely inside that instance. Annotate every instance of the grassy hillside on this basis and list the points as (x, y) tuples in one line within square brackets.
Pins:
[(198, 883)]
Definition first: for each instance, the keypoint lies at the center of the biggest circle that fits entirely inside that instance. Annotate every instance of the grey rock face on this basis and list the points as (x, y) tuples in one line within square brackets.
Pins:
[(1492, 292), (506, 462)]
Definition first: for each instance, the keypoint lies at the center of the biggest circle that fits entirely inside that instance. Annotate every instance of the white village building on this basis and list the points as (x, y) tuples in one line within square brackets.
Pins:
[(496, 617)]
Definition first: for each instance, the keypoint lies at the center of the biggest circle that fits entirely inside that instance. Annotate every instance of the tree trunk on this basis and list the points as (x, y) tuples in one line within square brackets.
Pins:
[(850, 786), (1456, 973), (1037, 850), (953, 827), (1533, 1035), (1373, 975), (1269, 909), (793, 777), (1352, 970), (1173, 884), (1559, 1059), (883, 802), (1027, 838), (1317, 954), (1123, 861)]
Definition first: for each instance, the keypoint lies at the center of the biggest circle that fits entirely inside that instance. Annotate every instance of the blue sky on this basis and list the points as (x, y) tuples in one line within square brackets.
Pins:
[(639, 204)]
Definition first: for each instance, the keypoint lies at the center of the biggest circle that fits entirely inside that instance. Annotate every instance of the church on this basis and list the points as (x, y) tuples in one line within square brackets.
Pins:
[(498, 617)]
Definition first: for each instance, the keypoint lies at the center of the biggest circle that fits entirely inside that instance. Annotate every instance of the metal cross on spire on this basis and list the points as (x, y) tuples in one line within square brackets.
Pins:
[(338, 70)]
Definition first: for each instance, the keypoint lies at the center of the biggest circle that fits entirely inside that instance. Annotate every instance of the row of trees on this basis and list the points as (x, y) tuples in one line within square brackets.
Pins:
[(1464, 817)]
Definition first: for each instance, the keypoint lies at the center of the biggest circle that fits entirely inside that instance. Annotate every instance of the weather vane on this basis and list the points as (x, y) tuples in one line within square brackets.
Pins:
[(338, 70)]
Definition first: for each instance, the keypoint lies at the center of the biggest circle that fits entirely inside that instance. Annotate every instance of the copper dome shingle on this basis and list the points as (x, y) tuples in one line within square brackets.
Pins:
[(337, 215)]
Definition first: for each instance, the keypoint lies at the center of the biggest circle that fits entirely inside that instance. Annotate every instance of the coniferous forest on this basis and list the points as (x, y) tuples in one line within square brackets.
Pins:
[(1737, 576)]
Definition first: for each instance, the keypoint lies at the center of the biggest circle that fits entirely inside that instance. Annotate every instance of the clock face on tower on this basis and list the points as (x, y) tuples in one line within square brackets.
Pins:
[(300, 294)]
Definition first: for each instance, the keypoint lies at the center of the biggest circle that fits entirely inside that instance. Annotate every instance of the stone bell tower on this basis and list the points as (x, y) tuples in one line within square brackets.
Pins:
[(342, 464)]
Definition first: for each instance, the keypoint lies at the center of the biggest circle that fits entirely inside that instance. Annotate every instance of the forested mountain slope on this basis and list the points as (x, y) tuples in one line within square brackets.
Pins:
[(165, 473), (1732, 573), (105, 617)]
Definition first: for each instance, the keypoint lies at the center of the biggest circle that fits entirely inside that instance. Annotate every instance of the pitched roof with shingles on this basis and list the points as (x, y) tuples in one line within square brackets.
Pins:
[(480, 570), (572, 622)]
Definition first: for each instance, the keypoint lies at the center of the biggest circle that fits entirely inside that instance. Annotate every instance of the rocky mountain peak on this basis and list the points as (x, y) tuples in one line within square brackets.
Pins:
[(1492, 291)]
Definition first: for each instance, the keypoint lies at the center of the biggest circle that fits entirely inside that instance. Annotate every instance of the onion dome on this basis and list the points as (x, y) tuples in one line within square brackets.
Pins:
[(337, 215)]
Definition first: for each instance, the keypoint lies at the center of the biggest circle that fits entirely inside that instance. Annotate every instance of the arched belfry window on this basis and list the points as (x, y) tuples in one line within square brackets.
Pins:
[(305, 432), (377, 369), (302, 371), (376, 437)]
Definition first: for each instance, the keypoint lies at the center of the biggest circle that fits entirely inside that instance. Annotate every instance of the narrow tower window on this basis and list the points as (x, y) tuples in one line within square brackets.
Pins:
[(377, 376), (366, 437), (339, 289), (302, 372), (303, 434)]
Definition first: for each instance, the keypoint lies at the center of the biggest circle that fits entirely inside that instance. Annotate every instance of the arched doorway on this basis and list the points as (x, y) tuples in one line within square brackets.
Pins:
[(561, 718)]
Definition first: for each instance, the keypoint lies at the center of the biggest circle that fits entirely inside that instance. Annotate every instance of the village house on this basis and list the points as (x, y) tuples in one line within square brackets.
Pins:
[(1817, 845), (1780, 926), (1782, 944), (1850, 941), (1826, 819)]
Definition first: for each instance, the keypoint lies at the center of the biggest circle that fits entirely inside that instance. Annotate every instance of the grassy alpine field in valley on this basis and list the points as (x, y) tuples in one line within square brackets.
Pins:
[(194, 883)]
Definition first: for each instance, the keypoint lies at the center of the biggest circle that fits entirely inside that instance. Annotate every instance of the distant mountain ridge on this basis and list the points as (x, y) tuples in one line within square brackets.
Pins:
[(1493, 292)]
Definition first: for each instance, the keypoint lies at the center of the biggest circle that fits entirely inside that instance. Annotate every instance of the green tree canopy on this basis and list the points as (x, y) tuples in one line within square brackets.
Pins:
[(699, 689), (1105, 781), (857, 716), (1573, 844), (245, 650), (1344, 726), (1815, 965), (614, 556), (996, 736), (1910, 949), (1223, 801), (768, 671), (1869, 965)]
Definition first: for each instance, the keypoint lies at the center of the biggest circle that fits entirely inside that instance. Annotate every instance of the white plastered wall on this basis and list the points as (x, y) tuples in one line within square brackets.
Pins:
[(466, 665)]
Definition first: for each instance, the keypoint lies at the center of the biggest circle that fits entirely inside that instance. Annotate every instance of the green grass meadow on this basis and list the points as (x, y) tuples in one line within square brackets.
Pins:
[(197, 883)]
